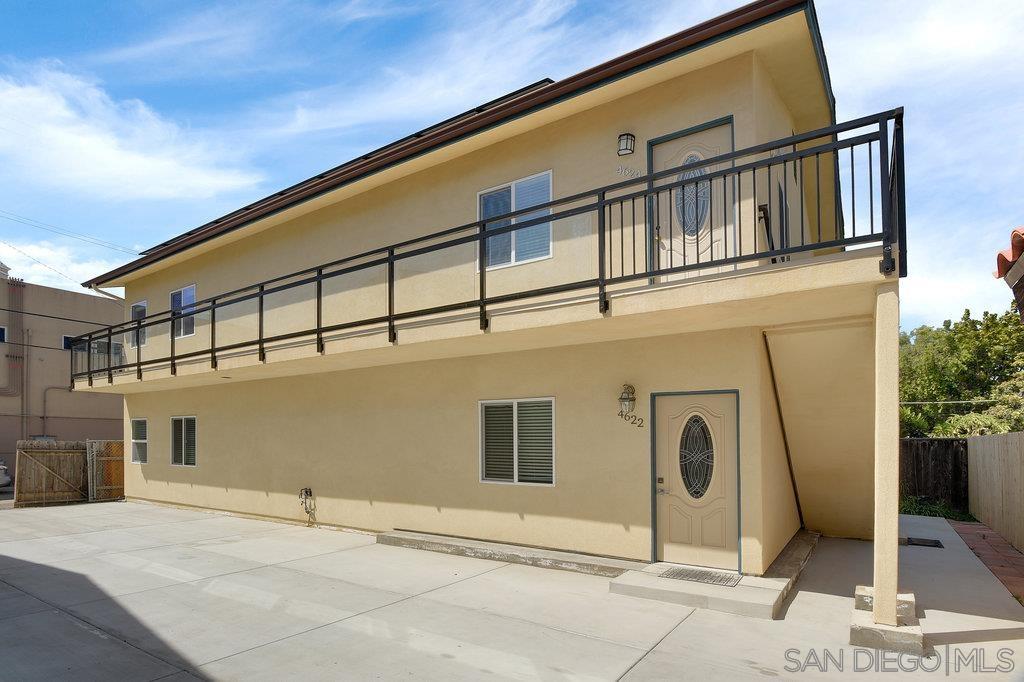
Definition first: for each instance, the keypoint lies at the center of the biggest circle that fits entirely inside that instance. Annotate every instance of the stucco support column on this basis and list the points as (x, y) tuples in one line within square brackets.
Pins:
[(887, 456), (883, 619)]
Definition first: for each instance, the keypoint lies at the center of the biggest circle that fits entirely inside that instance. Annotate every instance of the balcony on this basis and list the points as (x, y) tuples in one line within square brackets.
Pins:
[(809, 198)]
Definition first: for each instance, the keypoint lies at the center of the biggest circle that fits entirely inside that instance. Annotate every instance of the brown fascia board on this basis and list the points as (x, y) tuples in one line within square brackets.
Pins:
[(460, 126)]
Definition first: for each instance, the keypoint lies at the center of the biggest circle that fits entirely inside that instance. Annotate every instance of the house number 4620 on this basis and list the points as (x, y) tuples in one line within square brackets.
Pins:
[(636, 421)]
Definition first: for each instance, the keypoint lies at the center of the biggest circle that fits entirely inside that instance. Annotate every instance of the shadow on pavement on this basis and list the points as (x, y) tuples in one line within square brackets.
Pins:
[(42, 641)]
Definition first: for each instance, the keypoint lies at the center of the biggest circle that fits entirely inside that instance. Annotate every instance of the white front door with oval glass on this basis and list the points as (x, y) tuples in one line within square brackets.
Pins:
[(694, 220), (696, 479)]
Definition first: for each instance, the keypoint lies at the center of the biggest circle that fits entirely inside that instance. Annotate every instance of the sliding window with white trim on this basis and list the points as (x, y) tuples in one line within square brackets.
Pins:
[(183, 301), (517, 441), (528, 244)]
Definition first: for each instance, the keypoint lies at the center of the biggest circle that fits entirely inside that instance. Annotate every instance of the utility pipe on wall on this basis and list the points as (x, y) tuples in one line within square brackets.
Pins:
[(26, 360), (45, 412), (15, 361)]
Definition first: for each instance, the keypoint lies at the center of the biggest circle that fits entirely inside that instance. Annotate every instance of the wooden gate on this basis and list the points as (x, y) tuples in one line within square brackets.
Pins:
[(50, 472), (62, 472)]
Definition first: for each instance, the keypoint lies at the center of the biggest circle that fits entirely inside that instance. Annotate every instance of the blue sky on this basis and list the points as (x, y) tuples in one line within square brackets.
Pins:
[(135, 121)]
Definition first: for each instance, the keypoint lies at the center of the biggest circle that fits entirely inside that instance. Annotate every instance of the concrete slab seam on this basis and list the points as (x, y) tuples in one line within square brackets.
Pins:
[(656, 645), (350, 616)]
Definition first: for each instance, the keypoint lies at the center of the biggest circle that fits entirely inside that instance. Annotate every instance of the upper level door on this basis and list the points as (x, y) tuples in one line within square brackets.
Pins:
[(696, 479), (693, 213)]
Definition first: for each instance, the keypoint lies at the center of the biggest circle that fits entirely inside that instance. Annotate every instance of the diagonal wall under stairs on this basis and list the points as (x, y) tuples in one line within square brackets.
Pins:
[(825, 379)]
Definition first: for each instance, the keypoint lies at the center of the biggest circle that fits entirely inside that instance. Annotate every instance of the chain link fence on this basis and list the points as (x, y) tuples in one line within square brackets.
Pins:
[(105, 461)]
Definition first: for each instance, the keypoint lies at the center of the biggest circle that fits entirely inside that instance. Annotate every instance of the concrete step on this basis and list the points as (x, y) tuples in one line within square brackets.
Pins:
[(754, 596), (743, 600), (513, 554)]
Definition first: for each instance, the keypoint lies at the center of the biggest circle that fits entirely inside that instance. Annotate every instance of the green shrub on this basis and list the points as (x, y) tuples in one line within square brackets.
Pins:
[(924, 506)]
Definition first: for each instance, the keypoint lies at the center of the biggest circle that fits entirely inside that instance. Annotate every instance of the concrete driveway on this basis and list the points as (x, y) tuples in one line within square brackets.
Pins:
[(139, 592)]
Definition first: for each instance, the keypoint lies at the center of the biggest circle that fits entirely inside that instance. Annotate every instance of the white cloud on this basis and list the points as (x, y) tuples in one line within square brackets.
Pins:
[(486, 50), (220, 42), (362, 10), (931, 296), (474, 60), (919, 46), (65, 132), (229, 40), (52, 264), (212, 33), (952, 256)]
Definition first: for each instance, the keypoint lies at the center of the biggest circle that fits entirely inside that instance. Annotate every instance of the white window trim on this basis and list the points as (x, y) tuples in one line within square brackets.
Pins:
[(131, 334), (134, 440), (515, 441), (64, 338), (171, 436), (170, 299), (511, 184)]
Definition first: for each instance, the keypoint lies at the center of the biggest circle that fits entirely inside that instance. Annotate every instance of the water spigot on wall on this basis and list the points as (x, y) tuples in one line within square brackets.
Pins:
[(308, 504)]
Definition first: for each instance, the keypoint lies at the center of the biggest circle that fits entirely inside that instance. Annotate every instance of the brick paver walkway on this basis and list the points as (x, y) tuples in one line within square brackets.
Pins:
[(1005, 561)]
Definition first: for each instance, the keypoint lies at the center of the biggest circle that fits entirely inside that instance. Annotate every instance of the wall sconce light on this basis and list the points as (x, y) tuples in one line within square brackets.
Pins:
[(627, 142), (627, 399)]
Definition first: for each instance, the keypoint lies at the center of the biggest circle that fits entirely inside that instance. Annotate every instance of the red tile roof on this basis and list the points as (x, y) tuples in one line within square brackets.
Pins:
[(1007, 257)]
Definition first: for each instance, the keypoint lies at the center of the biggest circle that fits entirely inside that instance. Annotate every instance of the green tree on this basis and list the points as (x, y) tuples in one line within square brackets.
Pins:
[(1009, 399), (970, 424), (964, 360)]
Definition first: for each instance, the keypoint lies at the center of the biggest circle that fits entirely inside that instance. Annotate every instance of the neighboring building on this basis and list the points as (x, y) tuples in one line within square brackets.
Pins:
[(629, 313), (36, 326), (1010, 267)]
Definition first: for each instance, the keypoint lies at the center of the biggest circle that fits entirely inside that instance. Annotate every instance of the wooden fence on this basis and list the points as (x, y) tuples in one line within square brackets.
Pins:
[(996, 465), (935, 468), (61, 472)]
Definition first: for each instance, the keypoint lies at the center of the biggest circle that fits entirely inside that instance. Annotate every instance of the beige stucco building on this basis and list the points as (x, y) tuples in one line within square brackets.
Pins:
[(36, 326), (649, 311)]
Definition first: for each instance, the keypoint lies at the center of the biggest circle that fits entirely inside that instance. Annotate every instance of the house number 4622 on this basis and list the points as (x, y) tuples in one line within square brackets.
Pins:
[(636, 421)]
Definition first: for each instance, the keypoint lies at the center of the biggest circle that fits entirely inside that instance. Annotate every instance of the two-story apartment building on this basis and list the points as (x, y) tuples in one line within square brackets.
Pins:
[(648, 311), (37, 324)]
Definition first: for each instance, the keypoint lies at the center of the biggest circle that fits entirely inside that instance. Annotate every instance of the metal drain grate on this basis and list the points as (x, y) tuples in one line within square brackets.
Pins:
[(924, 542), (702, 575)]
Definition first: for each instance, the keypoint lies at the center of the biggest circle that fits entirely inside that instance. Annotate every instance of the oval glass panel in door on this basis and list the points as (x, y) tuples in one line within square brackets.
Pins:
[(696, 456), (693, 203)]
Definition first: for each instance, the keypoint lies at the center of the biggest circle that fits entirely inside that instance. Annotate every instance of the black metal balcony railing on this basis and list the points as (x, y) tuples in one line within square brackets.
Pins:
[(812, 192)]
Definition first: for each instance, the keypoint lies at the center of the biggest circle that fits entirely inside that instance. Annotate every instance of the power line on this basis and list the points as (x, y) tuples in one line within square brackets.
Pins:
[(8, 244), (32, 345), (58, 416), (54, 317), (38, 224), (950, 402)]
